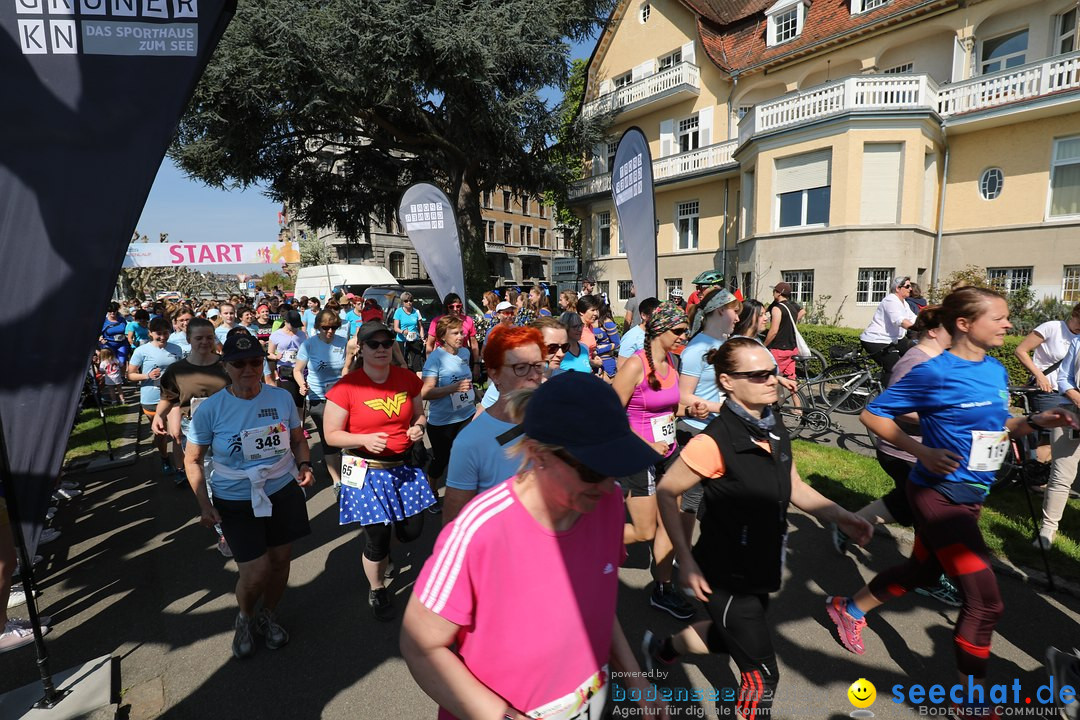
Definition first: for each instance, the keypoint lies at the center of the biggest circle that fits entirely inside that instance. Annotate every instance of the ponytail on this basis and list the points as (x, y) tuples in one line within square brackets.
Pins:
[(654, 382)]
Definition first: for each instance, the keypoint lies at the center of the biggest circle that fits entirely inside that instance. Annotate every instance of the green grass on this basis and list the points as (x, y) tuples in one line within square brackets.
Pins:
[(88, 437), (854, 480)]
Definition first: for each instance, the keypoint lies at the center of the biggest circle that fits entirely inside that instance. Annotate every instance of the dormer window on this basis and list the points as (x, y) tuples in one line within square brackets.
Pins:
[(861, 6), (785, 20)]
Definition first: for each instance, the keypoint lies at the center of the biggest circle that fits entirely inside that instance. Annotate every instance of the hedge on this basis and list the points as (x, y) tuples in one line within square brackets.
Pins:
[(822, 337)]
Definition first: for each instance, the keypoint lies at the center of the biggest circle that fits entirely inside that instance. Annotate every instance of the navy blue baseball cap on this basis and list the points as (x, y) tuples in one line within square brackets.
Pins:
[(582, 414)]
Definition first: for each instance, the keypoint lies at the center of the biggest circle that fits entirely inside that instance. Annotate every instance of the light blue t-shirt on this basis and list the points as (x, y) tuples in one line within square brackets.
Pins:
[(407, 321), (308, 318), (579, 363), (632, 341), (219, 423), (222, 331), (354, 320), (142, 333), (477, 461), (179, 339), (325, 361), (695, 365), (148, 357), (448, 369)]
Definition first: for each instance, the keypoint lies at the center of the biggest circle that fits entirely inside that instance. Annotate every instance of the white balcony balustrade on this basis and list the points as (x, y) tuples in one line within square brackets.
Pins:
[(672, 84)]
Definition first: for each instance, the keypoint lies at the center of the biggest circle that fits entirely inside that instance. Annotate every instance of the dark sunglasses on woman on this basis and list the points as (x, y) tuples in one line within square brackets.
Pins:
[(376, 344)]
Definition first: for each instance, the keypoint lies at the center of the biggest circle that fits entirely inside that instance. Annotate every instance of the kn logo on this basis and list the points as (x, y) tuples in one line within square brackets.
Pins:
[(108, 27)]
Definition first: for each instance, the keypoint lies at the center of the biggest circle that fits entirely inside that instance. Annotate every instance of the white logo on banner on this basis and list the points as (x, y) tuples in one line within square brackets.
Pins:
[(424, 216), (630, 182), (108, 27)]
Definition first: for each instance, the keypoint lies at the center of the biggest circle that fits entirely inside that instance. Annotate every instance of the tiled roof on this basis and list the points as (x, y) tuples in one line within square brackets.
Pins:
[(733, 31)]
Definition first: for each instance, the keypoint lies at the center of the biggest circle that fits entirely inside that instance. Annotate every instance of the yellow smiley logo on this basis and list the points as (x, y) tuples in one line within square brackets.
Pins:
[(862, 693)]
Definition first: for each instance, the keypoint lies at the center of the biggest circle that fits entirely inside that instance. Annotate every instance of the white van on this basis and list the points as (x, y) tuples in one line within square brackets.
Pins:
[(321, 280)]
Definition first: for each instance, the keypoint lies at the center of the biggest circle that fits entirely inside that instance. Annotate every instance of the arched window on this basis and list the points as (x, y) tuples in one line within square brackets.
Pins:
[(397, 265)]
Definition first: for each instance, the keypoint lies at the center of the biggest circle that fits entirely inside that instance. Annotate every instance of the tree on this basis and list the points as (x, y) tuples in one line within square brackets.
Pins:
[(271, 280), (338, 105), (314, 251)]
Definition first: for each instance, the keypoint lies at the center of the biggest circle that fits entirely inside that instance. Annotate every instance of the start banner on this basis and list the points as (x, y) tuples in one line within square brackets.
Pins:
[(185, 254)]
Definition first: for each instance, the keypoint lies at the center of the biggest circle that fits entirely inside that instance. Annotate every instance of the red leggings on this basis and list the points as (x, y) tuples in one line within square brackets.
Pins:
[(947, 537)]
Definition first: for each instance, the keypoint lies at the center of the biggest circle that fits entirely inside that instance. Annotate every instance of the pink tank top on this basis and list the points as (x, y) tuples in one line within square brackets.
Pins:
[(652, 412)]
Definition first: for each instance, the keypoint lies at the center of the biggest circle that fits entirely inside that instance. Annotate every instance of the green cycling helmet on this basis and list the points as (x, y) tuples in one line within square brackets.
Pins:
[(709, 277)]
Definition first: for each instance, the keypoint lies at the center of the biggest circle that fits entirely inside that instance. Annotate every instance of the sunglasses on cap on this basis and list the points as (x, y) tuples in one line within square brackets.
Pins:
[(586, 473), (249, 363), (553, 348), (757, 376), (376, 344)]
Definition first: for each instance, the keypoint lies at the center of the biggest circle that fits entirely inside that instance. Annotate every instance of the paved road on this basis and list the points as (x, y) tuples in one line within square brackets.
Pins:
[(136, 576)]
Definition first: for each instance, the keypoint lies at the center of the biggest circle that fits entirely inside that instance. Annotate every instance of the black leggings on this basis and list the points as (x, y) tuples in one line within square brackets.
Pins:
[(895, 500), (442, 437), (739, 629), (947, 536), (378, 536)]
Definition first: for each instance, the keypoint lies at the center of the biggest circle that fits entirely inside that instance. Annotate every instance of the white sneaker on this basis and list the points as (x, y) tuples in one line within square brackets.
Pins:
[(65, 494), (1043, 541), (16, 598), (45, 620), (48, 535), (14, 636)]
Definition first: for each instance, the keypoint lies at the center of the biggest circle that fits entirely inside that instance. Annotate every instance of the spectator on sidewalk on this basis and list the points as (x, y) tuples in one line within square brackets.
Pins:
[(783, 314)]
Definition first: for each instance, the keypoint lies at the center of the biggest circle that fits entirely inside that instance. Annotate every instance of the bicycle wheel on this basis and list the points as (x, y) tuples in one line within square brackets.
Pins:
[(809, 369), (792, 408), (837, 380)]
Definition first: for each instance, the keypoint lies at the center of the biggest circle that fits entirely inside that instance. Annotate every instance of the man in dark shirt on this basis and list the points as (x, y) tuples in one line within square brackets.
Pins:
[(783, 314)]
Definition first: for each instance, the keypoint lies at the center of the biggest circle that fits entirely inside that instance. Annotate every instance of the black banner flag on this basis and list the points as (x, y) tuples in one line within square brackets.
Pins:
[(91, 91)]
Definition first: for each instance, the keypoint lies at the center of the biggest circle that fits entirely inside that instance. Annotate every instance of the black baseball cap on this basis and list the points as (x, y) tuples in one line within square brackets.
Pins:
[(372, 328), (582, 414), (240, 346)]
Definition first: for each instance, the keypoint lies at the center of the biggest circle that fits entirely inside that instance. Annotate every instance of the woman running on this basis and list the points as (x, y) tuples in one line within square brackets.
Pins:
[(607, 340), (577, 356), (649, 390), (745, 457), (375, 415), (962, 400), (449, 390)]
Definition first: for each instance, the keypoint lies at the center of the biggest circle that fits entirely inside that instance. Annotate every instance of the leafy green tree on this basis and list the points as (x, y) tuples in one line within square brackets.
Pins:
[(338, 105)]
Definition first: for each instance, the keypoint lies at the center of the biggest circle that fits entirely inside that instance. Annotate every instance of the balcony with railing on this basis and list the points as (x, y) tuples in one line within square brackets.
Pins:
[(1051, 76), (678, 82), (672, 168)]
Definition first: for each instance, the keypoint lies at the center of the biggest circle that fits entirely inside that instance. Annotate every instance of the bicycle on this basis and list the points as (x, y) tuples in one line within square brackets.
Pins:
[(846, 386)]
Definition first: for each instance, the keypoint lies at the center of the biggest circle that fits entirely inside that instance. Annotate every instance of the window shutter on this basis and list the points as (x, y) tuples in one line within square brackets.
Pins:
[(648, 68), (595, 243), (880, 200), (637, 73), (667, 137), (705, 126), (959, 60), (599, 160), (930, 191), (802, 172), (688, 53), (606, 87)]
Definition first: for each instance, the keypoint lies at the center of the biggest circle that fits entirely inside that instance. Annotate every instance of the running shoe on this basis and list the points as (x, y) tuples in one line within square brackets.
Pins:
[(243, 644), (944, 591), (17, 597), (180, 479), (69, 485), (48, 535), (51, 513), (390, 569), (848, 628), (665, 597), (266, 625), (223, 547), (167, 468), (379, 600), (45, 620), (1064, 669), (65, 494), (840, 541), (436, 509), (1042, 542), (651, 645), (14, 636)]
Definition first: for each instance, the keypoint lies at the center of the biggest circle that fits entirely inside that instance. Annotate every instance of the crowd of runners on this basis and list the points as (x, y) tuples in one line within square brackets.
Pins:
[(553, 442)]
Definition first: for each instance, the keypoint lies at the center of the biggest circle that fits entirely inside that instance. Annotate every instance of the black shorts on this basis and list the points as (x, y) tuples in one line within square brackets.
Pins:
[(286, 382), (249, 536), (643, 484), (691, 499)]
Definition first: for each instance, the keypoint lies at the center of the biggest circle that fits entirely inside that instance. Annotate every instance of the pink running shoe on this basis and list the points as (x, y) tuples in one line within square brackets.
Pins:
[(849, 629)]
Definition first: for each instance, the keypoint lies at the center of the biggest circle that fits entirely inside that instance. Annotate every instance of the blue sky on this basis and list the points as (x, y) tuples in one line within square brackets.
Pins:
[(192, 212)]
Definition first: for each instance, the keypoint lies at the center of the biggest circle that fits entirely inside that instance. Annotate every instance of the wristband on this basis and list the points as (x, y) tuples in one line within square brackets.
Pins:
[(1031, 422), (300, 465)]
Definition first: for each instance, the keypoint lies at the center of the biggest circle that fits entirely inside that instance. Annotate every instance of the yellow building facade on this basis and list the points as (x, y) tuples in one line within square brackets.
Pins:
[(834, 146)]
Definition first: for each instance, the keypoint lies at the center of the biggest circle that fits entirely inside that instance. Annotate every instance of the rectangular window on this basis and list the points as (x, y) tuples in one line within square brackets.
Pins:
[(622, 80), (1065, 178), (508, 233), (1003, 52), (672, 284), (747, 284), (867, 5), (1009, 279), (624, 289), (603, 239), (742, 110), (611, 148), (1070, 284), (873, 285), (899, 69), (1065, 39), (602, 287), (670, 61), (490, 230), (688, 134), (541, 209), (686, 222), (802, 284), (787, 25), (506, 201), (525, 205), (543, 238), (803, 190)]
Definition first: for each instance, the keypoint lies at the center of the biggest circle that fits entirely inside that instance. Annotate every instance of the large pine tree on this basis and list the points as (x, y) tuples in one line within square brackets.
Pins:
[(337, 106)]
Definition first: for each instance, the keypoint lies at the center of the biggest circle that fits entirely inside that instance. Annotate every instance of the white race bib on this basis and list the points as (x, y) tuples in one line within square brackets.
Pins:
[(586, 702), (288, 356), (266, 442), (463, 399), (663, 429), (411, 335), (353, 471), (988, 449), (195, 403)]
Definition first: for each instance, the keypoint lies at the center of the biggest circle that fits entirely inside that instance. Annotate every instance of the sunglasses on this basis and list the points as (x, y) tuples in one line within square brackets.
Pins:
[(376, 344), (553, 348), (586, 473), (523, 369), (329, 327), (240, 364), (680, 331), (906, 287), (456, 306), (758, 376)]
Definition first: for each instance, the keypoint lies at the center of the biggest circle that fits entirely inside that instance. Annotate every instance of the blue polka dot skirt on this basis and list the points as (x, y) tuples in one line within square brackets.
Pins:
[(388, 496)]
